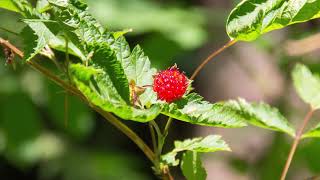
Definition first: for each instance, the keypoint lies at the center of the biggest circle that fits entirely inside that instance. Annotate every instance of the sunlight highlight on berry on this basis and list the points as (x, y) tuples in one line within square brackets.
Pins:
[(170, 84)]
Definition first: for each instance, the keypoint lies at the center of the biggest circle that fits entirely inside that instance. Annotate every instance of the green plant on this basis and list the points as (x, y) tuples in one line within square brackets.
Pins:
[(99, 68)]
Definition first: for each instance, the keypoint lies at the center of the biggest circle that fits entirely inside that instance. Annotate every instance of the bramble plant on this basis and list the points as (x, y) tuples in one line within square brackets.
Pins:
[(119, 83)]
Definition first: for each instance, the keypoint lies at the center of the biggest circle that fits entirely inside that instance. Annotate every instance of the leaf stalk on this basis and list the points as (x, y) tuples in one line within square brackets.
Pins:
[(210, 57), (296, 143)]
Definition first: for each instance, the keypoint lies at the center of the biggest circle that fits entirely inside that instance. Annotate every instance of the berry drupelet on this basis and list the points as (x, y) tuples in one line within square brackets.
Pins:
[(170, 84)]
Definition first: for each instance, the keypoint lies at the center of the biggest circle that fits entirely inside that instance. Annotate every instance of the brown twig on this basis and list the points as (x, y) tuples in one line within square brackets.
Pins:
[(12, 47), (212, 55), (295, 143)]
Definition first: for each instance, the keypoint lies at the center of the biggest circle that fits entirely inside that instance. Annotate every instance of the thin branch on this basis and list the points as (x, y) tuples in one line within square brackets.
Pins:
[(108, 116), (295, 143), (12, 47), (210, 57), (153, 137), (127, 131), (166, 129)]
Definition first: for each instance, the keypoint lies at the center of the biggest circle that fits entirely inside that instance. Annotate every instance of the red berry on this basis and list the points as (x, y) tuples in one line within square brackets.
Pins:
[(170, 84)]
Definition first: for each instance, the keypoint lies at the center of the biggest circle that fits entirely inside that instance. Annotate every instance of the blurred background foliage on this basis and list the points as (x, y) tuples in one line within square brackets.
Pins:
[(39, 140)]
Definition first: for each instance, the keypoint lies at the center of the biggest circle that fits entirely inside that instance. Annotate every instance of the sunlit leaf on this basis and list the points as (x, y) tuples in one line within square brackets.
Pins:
[(193, 110), (9, 5), (262, 115), (252, 18), (307, 85), (211, 143)]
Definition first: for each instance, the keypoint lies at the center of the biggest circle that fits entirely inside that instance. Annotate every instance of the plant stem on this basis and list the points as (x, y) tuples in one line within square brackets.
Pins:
[(153, 137), (295, 143), (165, 134), (108, 116), (166, 129), (127, 131), (12, 47), (212, 55)]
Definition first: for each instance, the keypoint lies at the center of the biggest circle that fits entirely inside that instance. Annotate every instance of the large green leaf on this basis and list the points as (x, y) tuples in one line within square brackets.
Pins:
[(9, 5), (262, 115), (210, 143), (20, 6), (252, 18), (307, 85), (191, 166), (137, 68), (98, 88), (193, 110), (37, 35), (104, 58), (78, 22), (35, 44)]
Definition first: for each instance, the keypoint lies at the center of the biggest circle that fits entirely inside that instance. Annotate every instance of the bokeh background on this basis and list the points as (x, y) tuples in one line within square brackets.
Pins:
[(36, 141)]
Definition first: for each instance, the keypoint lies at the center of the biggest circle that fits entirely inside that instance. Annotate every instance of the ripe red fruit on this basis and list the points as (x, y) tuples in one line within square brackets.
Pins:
[(170, 84)]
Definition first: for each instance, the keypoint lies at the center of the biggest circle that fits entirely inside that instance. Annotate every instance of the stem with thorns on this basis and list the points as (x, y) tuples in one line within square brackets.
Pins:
[(212, 55), (295, 143)]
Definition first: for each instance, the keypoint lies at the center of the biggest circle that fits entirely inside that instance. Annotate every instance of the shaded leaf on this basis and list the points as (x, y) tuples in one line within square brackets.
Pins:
[(262, 115), (191, 166), (307, 85), (252, 18), (193, 110), (210, 143)]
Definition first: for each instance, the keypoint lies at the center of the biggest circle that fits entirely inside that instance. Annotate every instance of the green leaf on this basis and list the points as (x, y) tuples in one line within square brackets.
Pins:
[(104, 58), (191, 166), (35, 44), (252, 18), (75, 18), (313, 133), (38, 35), (9, 5), (307, 85), (21, 6), (262, 115), (193, 110), (138, 69), (98, 88), (211, 143), (89, 32)]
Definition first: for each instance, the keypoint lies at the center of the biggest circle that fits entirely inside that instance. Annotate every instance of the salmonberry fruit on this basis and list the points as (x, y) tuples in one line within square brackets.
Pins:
[(170, 84)]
